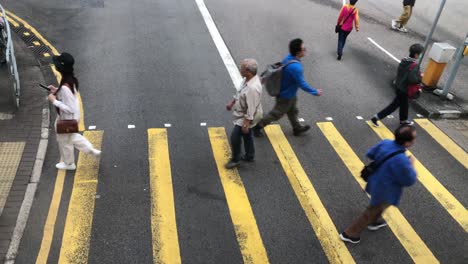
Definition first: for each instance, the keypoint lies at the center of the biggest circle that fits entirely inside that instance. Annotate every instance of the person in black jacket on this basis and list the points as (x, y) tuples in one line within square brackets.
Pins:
[(400, 23), (408, 73)]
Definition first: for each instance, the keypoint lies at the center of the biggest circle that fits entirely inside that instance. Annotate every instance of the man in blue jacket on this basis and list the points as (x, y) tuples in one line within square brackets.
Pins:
[(385, 186), (292, 79)]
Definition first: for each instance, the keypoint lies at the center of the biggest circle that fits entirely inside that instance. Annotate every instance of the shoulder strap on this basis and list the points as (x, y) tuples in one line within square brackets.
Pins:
[(291, 62), (352, 12), (389, 157)]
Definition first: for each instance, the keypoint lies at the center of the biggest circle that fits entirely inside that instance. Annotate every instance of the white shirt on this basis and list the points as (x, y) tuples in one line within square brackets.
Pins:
[(68, 104), (248, 101)]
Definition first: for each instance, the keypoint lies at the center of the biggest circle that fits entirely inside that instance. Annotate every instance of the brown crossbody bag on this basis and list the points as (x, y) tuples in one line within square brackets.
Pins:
[(66, 126)]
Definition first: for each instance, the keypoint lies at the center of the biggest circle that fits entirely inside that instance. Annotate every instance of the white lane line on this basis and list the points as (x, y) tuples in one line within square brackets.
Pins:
[(91, 127), (384, 50), (359, 117), (390, 116), (131, 126), (203, 124), (328, 118), (301, 119), (219, 42), (418, 115), (167, 125)]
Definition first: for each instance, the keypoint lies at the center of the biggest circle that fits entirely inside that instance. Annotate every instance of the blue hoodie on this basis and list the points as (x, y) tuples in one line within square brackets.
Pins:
[(386, 184), (293, 78)]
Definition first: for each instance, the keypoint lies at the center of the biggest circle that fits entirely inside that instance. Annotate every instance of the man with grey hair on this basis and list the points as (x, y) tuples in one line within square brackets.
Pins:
[(247, 111)]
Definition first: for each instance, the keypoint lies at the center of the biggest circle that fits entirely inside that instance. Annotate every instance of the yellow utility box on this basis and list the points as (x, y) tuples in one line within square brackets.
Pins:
[(466, 51), (440, 55)]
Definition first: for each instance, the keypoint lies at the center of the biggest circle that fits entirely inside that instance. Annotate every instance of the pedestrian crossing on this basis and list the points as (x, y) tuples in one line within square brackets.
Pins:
[(165, 240)]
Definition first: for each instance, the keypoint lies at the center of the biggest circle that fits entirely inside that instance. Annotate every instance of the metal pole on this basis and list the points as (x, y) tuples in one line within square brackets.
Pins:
[(429, 37), (456, 65)]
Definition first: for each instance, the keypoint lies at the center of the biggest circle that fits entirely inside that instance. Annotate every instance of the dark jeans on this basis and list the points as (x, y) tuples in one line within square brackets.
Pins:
[(236, 142), (400, 101), (282, 106), (369, 216), (342, 36)]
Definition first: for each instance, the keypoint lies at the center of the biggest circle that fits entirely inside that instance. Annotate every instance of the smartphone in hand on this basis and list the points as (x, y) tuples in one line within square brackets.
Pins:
[(44, 87)]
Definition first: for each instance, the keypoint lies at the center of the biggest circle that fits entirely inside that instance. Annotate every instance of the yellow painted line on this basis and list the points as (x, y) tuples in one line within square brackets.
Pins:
[(26, 34), (36, 43), (46, 54), (58, 76), (445, 198), (77, 232), (12, 22), (81, 125), (163, 219), (243, 219), (456, 151), (34, 31), (326, 232), (410, 240), (49, 226)]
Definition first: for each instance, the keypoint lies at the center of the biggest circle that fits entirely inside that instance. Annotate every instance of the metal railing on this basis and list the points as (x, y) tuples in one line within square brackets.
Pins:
[(10, 59)]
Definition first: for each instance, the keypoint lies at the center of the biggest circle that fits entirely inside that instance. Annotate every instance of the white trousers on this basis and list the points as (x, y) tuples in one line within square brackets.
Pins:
[(67, 144)]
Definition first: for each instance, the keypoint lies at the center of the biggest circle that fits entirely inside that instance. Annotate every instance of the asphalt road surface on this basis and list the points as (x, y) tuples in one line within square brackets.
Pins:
[(154, 64)]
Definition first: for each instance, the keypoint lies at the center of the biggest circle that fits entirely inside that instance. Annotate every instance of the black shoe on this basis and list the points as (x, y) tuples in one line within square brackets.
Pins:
[(257, 132), (243, 158), (374, 121), (298, 131), (339, 57), (407, 122), (376, 226), (349, 239), (231, 165)]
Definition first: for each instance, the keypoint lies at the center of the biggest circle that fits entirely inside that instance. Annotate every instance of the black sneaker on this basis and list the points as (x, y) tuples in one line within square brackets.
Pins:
[(376, 226), (298, 131), (231, 165), (407, 123), (374, 121), (339, 57), (243, 158), (349, 239)]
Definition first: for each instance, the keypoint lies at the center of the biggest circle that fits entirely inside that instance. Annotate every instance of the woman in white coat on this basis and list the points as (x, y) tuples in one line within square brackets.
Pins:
[(67, 105)]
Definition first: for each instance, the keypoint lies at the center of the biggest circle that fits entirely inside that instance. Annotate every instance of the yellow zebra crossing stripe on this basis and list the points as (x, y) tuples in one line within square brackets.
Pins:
[(163, 219), (445, 198), (410, 240), (248, 235), (49, 226), (321, 222), (77, 232), (456, 151)]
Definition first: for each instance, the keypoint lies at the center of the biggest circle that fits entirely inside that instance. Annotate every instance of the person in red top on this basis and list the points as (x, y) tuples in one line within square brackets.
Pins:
[(348, 15)]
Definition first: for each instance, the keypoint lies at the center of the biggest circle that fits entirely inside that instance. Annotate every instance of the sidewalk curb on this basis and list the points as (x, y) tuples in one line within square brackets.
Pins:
[(26, 205)]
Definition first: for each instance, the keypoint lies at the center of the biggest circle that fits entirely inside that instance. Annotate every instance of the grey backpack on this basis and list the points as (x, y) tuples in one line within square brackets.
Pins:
[(271, 77)]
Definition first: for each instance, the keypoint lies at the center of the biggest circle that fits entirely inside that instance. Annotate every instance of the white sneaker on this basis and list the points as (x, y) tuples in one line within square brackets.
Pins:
[(394, 23), (96, 153), (63, 166), (403, 29)]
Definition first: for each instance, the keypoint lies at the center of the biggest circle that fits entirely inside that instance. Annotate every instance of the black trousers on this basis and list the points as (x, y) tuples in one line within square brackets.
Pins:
[(400, 101), (236, 144)]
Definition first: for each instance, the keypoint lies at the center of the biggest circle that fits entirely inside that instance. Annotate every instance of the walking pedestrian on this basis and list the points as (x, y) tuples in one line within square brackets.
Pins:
[(247, 111), (286, 101), (400, 23), (386, 184), (348, 14), (408, 74), (66, 103)]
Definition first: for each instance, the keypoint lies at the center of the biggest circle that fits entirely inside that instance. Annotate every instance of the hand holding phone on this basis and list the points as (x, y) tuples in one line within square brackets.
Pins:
[(44, 87)]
